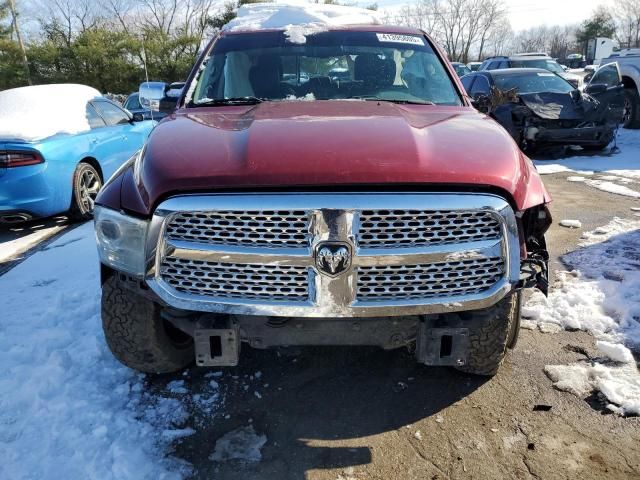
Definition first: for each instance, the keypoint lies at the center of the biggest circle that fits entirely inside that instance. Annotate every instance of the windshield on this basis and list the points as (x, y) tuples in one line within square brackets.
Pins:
[(329, 66), (550, 65), (533, 82)]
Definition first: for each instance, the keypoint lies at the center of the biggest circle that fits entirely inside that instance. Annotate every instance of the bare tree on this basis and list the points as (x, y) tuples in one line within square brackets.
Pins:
[(16, 28), (500, 40), (460, 26), (493, 18), (627, 16)]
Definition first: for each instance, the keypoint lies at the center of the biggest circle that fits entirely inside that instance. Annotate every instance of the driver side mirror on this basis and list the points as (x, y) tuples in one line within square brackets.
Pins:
[(596, 88), (480, 103), (137, 117)]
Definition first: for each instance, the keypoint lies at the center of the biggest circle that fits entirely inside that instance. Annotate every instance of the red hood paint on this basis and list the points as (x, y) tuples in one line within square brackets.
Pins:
[(304, 144)]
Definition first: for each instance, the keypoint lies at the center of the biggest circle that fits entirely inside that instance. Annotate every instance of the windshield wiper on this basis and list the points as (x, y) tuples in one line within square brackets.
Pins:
[(206, 102), (394, 100)]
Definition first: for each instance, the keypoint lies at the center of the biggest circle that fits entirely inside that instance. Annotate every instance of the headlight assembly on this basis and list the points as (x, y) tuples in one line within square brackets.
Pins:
[(121, 240)]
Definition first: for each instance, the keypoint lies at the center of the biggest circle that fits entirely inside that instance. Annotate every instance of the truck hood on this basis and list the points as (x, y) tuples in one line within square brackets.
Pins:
[(328, 144)]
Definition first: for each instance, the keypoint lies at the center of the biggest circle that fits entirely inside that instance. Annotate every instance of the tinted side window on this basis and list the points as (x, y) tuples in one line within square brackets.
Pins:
[(480, 86), (493, 65), (607, 75), (113, 115), (95, 121), (132, 103), (503, 64), (467, 81)]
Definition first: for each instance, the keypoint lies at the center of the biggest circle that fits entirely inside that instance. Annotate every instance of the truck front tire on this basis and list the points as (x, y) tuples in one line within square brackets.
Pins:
[(632, 103), (137, 335), (496, 331)]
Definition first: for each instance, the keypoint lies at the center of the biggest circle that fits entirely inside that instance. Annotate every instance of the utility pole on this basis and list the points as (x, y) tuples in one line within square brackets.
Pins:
[(25, 62)]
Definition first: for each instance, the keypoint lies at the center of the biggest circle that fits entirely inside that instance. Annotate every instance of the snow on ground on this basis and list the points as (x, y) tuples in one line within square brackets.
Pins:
[(299, 19), (241, 444), (32, 113), (601, 295), (615, 171), (68, 409), (615, 376)]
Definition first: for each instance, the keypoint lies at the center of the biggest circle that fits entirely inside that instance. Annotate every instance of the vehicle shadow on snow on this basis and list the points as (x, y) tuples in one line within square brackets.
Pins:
[(313, 399), (19, 241)]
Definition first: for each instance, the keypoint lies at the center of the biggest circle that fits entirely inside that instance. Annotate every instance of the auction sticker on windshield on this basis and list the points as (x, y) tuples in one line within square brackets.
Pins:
[(398, 38)]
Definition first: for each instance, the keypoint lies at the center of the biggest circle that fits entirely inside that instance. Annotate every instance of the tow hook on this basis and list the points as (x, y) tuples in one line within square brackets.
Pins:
[(534, 272)]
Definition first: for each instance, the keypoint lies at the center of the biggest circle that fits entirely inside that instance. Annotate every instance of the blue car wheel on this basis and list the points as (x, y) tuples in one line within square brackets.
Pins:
[(86, 184)]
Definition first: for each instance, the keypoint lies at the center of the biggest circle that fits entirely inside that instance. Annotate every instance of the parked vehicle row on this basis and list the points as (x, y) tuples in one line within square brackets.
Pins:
[(531, 60)]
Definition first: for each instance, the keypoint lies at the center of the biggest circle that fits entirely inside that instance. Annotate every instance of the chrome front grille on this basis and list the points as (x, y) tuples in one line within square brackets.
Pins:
[(404, 282), (406, 228), (389, 253), (264, 228), (224, 280)]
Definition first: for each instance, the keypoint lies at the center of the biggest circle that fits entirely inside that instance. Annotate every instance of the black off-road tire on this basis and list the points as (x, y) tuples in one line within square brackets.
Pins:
[(497, 330), (81, 202), (137, 335), (631, 96)]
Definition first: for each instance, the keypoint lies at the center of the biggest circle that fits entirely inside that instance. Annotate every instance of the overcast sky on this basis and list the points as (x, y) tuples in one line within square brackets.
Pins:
[(528, 13)]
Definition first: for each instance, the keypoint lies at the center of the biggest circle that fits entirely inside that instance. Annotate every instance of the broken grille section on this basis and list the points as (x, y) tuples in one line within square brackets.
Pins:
[(264, 228), (408, 228), (445, 279), (225, 280)]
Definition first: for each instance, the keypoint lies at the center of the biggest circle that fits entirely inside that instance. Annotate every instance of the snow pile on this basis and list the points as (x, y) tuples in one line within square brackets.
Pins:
[(69, 409), (617, 379), (615, 351), (299, 19), (621, 165), (241, 444), (624, 162), (610, 187), (571, 223), (34, 113), (601, 296)]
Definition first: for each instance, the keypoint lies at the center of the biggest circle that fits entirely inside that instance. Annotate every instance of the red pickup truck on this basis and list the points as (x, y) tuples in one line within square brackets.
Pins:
[(280, 205)]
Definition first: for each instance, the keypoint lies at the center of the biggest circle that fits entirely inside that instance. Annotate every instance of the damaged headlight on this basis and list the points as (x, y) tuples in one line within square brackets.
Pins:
[(121, 240)]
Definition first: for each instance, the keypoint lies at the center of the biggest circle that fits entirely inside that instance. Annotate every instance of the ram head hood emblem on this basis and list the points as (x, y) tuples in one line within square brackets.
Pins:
[(333, 258)]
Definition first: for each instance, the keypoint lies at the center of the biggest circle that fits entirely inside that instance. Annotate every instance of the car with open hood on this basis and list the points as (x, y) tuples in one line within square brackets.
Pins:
[(539, 108), (379, 208)]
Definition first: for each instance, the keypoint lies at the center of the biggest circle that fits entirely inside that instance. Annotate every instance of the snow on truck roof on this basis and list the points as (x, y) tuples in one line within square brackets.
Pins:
[(299, 19), (37, 112)]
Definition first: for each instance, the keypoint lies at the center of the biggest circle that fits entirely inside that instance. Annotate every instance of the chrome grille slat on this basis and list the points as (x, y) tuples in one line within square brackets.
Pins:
[(412, 228), (407, 282), (259, 228), (225, 280)]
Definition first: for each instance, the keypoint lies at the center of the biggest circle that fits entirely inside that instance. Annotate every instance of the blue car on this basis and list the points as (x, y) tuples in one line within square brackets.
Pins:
[(58, 145)]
